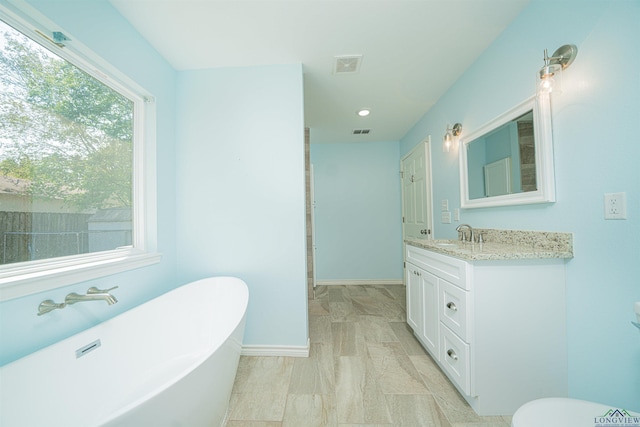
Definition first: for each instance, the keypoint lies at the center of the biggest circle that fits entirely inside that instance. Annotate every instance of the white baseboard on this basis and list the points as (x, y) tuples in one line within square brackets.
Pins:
[(276, 350), (359, 282)]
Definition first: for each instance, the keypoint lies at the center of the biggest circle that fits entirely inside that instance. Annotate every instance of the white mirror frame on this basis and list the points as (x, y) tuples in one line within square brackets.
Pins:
[(545, 180)]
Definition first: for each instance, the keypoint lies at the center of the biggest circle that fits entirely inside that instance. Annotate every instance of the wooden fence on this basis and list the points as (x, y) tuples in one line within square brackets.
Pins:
[(26, 236)]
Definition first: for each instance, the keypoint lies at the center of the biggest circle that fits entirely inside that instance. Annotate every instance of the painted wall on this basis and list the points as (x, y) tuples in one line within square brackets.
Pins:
[(358, 215), (111, 37), (596, 151), (240, 198)]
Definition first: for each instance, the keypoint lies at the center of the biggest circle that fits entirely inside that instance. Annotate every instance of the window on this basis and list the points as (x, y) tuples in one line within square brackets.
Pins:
[(71, 164)]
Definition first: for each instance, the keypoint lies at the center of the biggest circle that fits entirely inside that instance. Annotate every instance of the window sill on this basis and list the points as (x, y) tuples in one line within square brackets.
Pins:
[(17, 282)]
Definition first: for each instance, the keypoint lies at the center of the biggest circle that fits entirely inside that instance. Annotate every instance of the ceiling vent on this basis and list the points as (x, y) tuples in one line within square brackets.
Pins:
[(361, 131), (346, 64)]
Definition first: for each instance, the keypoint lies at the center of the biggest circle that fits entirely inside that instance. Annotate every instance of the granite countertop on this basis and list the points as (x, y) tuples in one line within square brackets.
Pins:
[(503, 245)]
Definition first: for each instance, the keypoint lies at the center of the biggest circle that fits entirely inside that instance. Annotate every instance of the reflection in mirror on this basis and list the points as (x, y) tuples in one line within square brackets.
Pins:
[(509, 160), (503, 160)]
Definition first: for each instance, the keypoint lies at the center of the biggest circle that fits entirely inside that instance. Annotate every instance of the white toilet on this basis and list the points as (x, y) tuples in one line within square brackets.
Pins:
[(564, 412)]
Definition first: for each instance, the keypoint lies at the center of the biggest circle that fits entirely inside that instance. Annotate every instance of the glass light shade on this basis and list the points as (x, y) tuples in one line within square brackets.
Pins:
[(550, 78), (446, 142)]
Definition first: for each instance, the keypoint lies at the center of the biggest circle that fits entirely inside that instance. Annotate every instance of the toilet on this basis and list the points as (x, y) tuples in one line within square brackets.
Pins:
[(564, 412)]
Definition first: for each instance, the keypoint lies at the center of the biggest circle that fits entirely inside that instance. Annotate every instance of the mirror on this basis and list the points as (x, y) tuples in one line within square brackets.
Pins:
[(509, 161)]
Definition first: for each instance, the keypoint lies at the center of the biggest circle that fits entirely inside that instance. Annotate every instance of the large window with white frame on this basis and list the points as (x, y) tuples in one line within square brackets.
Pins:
[(72, 164)]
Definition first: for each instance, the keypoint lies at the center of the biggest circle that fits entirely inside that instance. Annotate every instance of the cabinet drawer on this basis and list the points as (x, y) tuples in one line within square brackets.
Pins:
[(451, 269), (454, 309), (455, 359)]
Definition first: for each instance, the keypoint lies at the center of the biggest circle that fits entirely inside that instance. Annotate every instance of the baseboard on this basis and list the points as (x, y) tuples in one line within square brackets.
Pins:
[(276, 350), (359, 282)]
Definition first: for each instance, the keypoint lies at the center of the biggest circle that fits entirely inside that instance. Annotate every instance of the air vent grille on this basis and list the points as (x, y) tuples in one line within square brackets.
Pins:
[(361, 131), (345, 64)]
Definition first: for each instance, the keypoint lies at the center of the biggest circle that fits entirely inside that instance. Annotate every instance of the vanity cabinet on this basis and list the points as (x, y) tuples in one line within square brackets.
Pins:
[(422, 307), (496, 328)]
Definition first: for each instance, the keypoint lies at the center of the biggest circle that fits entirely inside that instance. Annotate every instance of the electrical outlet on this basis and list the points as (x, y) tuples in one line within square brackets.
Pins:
[(615, 206), (446, 217), (456, 214)]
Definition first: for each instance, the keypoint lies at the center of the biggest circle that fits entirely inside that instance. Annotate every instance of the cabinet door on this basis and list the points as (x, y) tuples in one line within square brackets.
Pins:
[(431, 322), (414, 299)]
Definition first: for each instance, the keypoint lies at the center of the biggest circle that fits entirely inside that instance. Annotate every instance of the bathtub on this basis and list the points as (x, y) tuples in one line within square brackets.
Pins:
[(169, 362)]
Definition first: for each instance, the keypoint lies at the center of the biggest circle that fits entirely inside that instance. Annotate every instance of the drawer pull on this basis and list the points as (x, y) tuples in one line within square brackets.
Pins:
[(452, 306), (452, 354)]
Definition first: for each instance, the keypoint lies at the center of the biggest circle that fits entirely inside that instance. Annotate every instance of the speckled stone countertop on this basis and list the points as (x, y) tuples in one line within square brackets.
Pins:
[(504, 245)]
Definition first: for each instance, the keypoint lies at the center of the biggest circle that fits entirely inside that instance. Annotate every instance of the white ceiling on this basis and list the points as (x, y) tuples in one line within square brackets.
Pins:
[(413, 50)]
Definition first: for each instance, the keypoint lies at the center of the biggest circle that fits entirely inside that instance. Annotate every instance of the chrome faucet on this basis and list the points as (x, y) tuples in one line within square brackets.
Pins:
[(49, 305), (463, 229), (93, 294)]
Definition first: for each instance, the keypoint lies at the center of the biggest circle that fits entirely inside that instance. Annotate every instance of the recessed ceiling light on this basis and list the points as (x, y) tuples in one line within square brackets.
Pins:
[(364, 112)]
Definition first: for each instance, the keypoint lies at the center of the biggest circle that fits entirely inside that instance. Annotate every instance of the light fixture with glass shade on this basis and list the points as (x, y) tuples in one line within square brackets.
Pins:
[(551, 73), (450, 136)]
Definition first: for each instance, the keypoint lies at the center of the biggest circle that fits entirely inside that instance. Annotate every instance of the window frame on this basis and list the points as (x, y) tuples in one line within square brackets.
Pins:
[(25, 278)]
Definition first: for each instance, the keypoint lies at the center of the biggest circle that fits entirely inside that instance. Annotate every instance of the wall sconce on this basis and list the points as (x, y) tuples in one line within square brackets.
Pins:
[(553, 66), (452, 133)]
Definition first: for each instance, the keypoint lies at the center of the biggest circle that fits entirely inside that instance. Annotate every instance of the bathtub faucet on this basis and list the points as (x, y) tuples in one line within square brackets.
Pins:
[(93, 294)]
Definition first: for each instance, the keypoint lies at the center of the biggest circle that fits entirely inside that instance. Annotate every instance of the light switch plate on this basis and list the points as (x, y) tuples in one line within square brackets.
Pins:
[(456, 214), (446, 217), (445, 205)]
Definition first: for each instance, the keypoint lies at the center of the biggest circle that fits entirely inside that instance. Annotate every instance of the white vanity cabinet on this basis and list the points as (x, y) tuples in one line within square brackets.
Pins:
[(422, 307), (497, 328)]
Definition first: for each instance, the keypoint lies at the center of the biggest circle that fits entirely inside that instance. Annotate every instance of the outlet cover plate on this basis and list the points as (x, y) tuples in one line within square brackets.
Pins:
[(615, 205)]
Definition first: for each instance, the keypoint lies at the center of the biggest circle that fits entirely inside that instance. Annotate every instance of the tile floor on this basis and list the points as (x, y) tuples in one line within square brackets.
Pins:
[(365, 368)]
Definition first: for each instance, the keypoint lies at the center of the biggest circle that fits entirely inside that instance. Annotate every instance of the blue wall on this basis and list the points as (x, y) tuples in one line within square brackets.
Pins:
[(358, 214), (111, 37), (241, 195), (596, 151)]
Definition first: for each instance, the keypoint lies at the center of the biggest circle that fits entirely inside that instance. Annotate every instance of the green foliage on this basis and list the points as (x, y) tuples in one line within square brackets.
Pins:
[(63, 130)]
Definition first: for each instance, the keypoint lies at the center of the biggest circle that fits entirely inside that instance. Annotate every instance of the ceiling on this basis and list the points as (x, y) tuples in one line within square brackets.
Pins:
[(412, 50)]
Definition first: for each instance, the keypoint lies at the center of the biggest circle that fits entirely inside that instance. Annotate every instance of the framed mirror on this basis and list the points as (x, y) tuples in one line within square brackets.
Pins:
[(509, 161)]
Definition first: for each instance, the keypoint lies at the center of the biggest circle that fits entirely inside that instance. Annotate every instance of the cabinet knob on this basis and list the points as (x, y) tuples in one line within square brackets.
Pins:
[(451, 306), (452, 354)]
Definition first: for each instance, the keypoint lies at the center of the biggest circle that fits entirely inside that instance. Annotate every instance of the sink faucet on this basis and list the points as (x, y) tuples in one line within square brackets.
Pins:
[(93, 294), (464, 228)]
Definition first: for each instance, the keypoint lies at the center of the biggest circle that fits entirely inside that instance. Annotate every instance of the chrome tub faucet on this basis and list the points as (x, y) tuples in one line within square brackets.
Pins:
[(93, 294)]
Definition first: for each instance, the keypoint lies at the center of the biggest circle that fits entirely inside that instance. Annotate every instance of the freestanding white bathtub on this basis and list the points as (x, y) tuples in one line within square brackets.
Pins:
[(169, 362)]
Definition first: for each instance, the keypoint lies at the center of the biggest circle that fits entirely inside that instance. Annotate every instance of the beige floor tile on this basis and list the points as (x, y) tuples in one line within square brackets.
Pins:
[(266, 374), (342, 311), (395, 372), (347, 339), (364, 425), (319, 307), (416, 410), (314, 374), (405, 336), (359, 399), (262, 406), (320, 329), (243, 423), (376, 329), (310, 410), (338, 293), (364, 304)]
